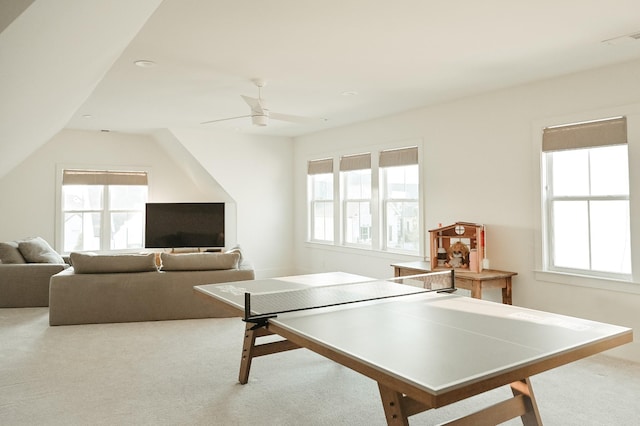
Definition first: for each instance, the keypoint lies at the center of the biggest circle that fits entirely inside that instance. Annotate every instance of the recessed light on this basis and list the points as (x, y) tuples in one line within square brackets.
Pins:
[(87, 116), (143, 63), (350, 93)]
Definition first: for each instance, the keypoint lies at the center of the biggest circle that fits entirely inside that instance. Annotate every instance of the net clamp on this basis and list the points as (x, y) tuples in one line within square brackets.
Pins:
[(259, 321)]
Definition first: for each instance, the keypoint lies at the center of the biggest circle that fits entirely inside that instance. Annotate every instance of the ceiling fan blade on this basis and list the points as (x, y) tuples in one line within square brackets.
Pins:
[(257, 105), (296, 118), (225, 119)]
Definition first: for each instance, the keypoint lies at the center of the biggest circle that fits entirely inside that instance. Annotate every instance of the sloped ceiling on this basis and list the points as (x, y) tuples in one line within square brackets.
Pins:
[(52, 56), (70, 63), (397, 56)]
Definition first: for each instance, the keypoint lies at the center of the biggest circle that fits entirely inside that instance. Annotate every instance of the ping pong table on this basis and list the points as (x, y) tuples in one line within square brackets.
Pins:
[(424, 349)]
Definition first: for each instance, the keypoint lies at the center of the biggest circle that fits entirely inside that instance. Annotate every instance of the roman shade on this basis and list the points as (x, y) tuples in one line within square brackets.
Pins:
[(611, 131), (318, 167), (355, 162), (103, 177), (399, 157)]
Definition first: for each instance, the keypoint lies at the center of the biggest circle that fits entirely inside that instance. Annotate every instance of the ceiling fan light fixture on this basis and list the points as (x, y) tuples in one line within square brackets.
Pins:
[(260, 120), (260, 114)]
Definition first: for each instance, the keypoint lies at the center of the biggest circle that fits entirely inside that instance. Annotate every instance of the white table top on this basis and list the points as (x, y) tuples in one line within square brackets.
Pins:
[(435, 342)]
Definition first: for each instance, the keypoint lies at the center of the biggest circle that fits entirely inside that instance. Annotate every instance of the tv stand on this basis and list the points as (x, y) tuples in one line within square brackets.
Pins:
[(196, 250)]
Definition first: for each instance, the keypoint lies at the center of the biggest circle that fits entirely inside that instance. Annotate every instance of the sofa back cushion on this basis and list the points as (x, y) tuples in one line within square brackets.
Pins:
[(9, 253), (91, 263), (37, 250), (199, 261)]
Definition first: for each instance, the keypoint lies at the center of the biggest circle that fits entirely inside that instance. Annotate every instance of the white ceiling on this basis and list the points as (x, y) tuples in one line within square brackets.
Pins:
[(397, 55)]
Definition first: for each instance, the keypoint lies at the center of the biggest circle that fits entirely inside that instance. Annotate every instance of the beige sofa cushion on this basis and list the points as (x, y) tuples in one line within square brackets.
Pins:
[(236, 249), (91, 263), (199, 261), (9, 253), (37, 250)]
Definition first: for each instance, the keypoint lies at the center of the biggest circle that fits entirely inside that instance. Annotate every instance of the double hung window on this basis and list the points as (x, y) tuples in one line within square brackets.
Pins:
[(355, 173), (400, 199), (586, 198), (371, 202), (320, 190), (103, 210)]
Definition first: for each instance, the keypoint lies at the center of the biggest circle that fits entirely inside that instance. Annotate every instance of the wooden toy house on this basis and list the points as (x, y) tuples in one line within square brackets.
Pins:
[(470, 234)]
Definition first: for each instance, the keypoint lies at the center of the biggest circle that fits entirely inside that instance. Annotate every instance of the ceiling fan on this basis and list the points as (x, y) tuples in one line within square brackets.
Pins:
[(260, 114)]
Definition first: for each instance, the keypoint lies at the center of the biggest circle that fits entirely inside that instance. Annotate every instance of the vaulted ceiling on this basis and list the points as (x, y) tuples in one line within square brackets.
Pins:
[(71, 63)]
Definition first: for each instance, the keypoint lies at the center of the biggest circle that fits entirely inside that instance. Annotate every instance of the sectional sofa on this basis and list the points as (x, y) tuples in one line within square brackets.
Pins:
[(136, 287), (25, 269)]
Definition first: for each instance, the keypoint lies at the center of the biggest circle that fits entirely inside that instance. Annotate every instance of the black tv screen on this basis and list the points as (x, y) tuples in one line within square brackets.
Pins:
[(177, 225)]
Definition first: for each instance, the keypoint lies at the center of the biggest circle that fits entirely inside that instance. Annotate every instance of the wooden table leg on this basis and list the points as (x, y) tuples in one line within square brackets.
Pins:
[(506, 292), (476, 289), (248, 347), (393, 407), (522, 405), (252, 350), (532, 416)]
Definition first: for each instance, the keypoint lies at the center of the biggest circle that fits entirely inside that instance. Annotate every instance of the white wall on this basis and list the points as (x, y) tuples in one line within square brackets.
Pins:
[(478, 167), (252, 174), (78, 41), (28, 191), (257, 172)]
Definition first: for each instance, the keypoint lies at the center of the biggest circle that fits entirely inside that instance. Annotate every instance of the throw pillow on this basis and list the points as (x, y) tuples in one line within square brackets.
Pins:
[(199, 261), (91, 263), (235, 249), (37, 250), (9, 253)]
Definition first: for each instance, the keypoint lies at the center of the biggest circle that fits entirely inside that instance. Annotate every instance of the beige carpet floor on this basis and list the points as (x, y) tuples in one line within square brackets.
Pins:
[(185, 373)]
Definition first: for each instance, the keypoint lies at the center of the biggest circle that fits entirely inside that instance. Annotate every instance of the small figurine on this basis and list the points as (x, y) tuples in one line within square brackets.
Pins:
[(458, 256)]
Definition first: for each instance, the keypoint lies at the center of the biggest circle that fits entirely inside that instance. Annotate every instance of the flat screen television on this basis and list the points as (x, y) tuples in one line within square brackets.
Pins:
[(178, 225)]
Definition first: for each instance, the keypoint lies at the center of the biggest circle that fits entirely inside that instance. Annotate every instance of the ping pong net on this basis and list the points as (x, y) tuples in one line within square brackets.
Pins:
[(259, 307)]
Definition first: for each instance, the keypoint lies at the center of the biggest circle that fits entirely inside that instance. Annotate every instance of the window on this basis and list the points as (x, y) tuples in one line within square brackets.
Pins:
[(586, 198), (371, 202), (400, 199), (103, 210), (320, 190), (355, 174)]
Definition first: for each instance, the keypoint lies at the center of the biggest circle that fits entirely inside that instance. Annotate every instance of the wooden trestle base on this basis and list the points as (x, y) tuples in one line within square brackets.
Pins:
[(397, 406), (252, 350)]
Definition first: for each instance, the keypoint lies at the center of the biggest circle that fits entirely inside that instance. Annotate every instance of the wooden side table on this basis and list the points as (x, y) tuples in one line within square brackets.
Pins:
[(476, 282)]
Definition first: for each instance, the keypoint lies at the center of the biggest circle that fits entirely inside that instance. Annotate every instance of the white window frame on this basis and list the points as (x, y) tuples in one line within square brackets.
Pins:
[(385, 199), (106, 219), (377, 240), (541, 271), (549, 200), (312, 201), (345, 199)]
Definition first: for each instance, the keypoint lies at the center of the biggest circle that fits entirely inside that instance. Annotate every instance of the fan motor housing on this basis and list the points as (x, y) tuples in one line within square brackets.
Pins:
[(260, 120)]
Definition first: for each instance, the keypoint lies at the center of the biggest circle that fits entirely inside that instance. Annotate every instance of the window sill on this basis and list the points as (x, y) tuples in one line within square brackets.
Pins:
[(608, 284)]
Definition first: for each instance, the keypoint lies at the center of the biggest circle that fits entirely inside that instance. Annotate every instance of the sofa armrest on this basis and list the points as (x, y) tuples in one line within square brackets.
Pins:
[(26, 284)]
